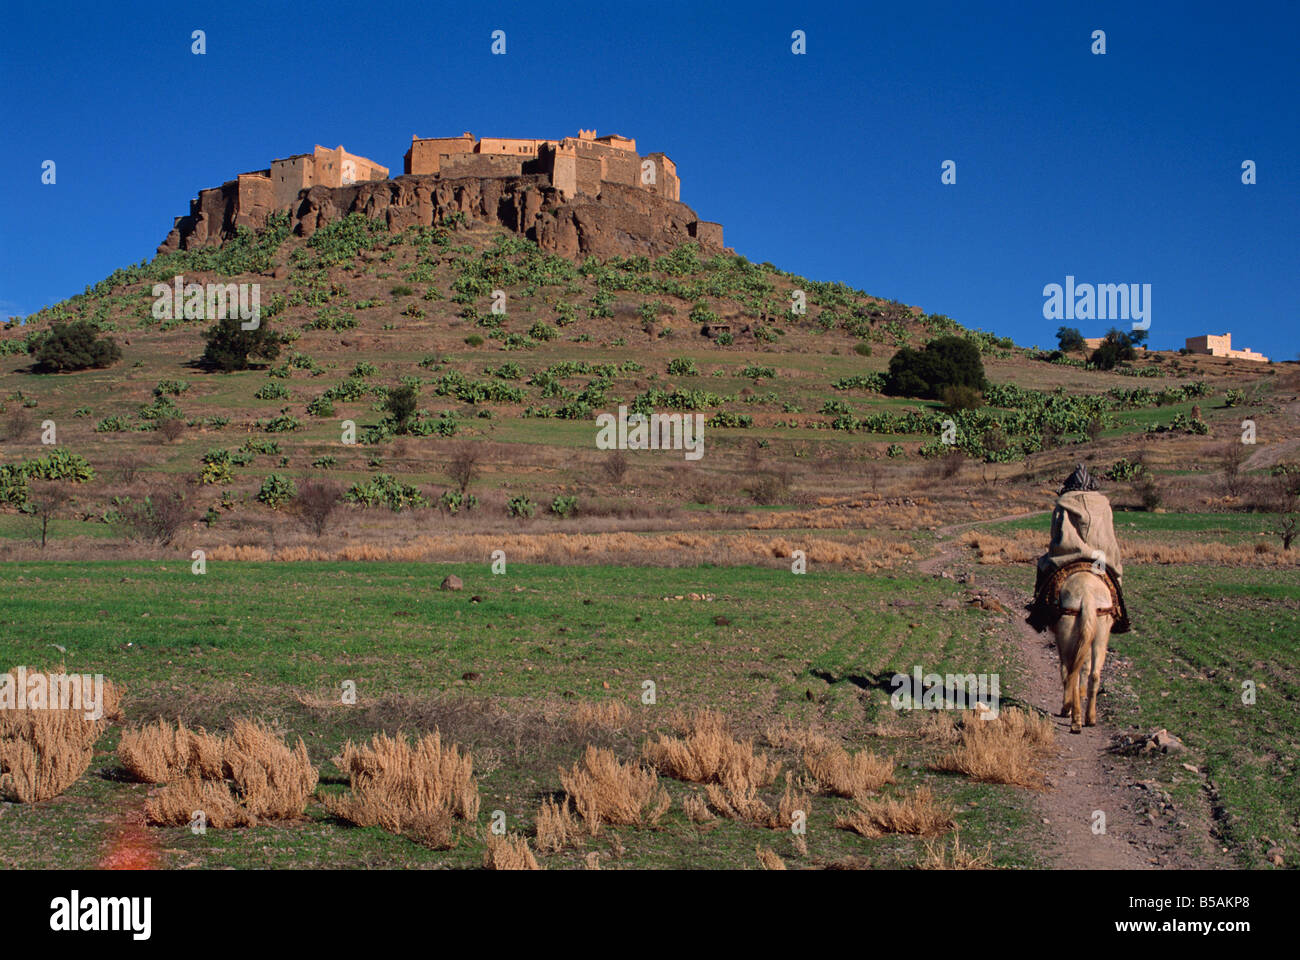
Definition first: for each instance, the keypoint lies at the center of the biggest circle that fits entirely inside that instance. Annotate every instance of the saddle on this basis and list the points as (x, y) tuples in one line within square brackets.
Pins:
[(1046, 608)]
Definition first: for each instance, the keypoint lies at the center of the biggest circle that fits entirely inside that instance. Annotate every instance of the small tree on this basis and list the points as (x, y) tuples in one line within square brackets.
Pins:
[(171, 429), (160, 516), (1116, 348), (400, 404), (75, 346), (1288, 532), (230, 347), (317, 500), (45, 501), (1069, 339), (615, 466), (1232, 456), (18, 423), (463, 467)]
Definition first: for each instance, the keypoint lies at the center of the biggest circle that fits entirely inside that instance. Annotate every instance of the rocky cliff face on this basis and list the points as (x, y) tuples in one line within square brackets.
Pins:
[(621, 221)]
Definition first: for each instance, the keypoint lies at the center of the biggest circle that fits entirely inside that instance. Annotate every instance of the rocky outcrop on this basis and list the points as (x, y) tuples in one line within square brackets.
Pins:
[(620, 221)]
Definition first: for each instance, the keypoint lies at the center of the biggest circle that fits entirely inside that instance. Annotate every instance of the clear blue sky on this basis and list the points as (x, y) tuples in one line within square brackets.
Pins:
[(1117, 168)]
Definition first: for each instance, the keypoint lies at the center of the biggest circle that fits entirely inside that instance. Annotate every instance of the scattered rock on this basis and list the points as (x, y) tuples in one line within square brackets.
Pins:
[(452, 582), (471, 676)]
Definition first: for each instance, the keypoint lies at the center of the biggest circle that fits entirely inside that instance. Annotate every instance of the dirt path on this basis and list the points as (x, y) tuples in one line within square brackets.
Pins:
[(1084, 778)]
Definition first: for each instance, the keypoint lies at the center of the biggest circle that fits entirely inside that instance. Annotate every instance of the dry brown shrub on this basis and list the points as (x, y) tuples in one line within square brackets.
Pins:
[(591, 861), (1009, 749), (791, 803), (602, 715), (606, 790), (508, 853), (405, 787), (45, 749), (940, 726), (918, 814), (742, 802), (768, 858), (557, 827), (845, 774), (273, 780), (937, 856), (159, 753), (708, 754), (269, 779), (738, 803), (697, 808), (176, 805)]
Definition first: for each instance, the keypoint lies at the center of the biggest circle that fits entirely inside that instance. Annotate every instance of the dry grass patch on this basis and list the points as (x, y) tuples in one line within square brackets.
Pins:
[(403, 787), (852, 775), (742, 802), (697, 808), (938, 856), (918, 814), (608, 715), (557, 826), (607, 790), (1009, 749), (159, 753), (508, 852), (179, 804), (708, 754), (268, 779), (272, 780), (46, 746), (785, 735), (768, 858)]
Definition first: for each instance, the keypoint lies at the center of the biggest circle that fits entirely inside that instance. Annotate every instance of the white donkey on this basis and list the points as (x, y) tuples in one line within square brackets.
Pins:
[(1082, 631)]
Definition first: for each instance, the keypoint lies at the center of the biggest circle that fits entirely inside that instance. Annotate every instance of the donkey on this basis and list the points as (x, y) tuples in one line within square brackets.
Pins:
[(1082, 630)]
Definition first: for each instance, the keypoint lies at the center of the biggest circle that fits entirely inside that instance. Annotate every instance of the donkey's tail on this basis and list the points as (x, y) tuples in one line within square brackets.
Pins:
[(1087, 627)]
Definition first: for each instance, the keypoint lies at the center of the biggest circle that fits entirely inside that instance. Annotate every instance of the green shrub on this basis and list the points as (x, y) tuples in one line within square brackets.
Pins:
[(943, 362), (172, 388), (564, 507), (383, 489), (452, 501), (681, 367), (862, 349), (113, 424), (521, 507), (272, 391), (541, 330), (401, 404), (276, 491), (66, 347), (474, 340), (229, 347)]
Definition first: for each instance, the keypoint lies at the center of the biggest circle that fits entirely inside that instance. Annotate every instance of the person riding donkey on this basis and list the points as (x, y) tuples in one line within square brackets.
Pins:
[(1079, 592)]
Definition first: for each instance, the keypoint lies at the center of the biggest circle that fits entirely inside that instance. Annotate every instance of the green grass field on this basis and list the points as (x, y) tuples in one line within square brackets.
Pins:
[(251, 639)]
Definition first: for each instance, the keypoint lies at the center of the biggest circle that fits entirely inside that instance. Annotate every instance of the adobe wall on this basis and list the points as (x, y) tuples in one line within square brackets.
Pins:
[(706, 232), (289, 176), (481, 165), (422, 156)]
